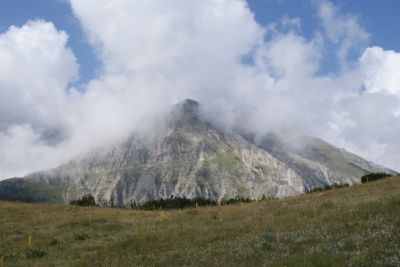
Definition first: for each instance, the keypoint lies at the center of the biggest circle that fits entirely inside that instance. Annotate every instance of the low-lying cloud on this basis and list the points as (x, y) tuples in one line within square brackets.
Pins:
[(155, 53)]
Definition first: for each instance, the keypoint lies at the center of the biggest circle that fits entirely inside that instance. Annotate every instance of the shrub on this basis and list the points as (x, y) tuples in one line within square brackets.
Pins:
[(54, 242), (85, 200), (395, 201), (374, 177), (35, 253), (82, 236), (328, 187), (267, 240), (175, 203), (181, 203)]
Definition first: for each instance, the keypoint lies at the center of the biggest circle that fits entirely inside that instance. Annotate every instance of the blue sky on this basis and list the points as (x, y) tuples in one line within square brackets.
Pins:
[(379, 18)]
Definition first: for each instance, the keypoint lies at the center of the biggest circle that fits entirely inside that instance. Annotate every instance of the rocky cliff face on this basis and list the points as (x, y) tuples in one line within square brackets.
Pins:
[(192, 158)]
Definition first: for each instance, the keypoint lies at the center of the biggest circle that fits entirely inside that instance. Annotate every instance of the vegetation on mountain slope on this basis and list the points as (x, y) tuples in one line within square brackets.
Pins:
[(17, 189), (352, 226), (371, 177)]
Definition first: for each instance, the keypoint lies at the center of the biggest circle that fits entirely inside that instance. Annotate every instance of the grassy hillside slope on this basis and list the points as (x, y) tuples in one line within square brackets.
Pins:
[(16, 189), (355, 226)]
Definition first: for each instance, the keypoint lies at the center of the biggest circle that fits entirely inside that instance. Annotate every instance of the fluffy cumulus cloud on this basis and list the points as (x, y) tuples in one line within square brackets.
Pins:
[(35, 69), (160, 52), (382, 71), (369, 121), (155, 53)]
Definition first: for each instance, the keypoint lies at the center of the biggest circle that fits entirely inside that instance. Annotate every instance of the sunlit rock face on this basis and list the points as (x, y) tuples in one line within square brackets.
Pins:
[(190, 157)]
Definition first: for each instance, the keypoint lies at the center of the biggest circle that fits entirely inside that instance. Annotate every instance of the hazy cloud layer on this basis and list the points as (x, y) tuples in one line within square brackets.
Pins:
[(156, 53)]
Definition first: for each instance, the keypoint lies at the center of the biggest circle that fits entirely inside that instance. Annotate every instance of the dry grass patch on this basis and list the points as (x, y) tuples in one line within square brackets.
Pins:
[(354, 226)]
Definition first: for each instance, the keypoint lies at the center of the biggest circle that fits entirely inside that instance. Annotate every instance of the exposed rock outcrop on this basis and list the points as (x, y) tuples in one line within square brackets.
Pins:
[(192, 158)]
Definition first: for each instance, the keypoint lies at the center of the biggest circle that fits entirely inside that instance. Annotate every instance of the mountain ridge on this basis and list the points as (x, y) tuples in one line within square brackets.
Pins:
[(192, 158)]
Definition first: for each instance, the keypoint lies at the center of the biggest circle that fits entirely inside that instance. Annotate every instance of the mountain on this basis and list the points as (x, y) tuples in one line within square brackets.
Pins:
[(191, 157)]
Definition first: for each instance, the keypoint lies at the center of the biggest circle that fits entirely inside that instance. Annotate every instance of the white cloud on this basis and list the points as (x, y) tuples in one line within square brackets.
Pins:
[(34, 72), (23, 150), (382, 70), (367, 125), (343, 30), (284, 56), (155, 53), (163, 52), (35, 68), (161, 35)]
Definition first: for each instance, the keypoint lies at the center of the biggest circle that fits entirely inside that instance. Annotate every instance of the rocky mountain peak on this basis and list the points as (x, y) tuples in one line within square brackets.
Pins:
[(193, 158), (188, 105), (186, 113)]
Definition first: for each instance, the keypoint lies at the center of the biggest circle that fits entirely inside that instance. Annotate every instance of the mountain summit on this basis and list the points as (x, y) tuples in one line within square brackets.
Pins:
[(188, 106), (186, 113), (192, 158)]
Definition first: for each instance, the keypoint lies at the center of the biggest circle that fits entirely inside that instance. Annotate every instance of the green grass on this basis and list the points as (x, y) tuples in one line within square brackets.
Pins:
[(354, 226)]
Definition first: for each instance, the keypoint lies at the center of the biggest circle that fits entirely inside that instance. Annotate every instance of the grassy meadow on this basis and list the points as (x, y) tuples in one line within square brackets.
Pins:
[(354, 226)]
